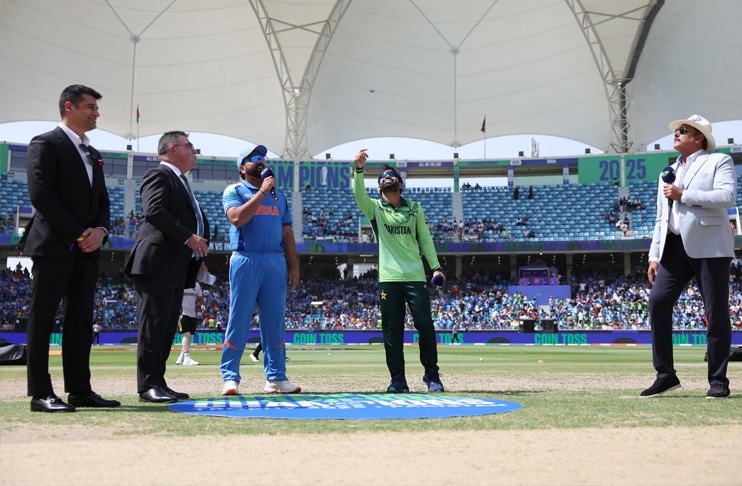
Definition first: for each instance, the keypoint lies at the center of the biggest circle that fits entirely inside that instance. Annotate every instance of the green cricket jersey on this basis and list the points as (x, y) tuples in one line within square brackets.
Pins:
[(402, 235)]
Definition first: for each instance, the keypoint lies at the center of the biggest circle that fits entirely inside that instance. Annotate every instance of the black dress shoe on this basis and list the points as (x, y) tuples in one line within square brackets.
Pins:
[(178, 395), (50, 403), (91, 399), (718, 391), (661, 386), (157, 395)]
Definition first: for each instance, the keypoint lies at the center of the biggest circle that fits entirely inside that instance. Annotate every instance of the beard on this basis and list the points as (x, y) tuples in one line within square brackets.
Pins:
[(389, 186), (255, 170)]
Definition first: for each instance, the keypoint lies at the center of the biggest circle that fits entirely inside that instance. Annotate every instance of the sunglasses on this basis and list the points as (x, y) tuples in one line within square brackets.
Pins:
[(684, 130), (388, 173), (188, 145), (257, 158)]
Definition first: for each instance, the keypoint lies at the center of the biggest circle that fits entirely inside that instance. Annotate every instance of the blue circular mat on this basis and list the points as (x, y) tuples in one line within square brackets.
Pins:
[(345, 406)]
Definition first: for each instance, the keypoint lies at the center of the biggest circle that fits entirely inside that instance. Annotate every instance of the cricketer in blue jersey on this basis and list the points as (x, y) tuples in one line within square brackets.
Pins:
[(263, 261)]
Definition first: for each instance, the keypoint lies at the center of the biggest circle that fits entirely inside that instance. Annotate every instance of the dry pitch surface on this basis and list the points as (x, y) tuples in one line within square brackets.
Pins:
[(53, 454)]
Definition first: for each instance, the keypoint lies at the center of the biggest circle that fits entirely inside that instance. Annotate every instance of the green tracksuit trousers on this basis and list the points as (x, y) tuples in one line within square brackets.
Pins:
[(392, 299)]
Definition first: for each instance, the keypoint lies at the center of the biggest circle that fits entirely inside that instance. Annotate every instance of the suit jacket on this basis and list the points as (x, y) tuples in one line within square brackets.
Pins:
[(160, 250), (65, 202), (710, 187)]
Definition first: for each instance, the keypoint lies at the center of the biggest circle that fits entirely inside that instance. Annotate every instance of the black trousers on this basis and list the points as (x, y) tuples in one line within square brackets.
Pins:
[(71, 280), (159, 310), (393, 297), (675, 271)]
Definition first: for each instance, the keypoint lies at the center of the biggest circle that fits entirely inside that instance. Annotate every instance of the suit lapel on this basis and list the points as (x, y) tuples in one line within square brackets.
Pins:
[(98, 177), (177, 180), (694, 168), (182, 186), (73, 154), (183, 191)]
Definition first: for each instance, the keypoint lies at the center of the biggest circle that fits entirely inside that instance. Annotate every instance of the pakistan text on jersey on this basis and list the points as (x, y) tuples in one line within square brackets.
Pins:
[(397, 230)]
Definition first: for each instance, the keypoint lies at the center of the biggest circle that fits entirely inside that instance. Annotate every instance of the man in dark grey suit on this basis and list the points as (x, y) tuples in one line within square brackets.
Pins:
[(693, 238), (165, 259), (68, 190)]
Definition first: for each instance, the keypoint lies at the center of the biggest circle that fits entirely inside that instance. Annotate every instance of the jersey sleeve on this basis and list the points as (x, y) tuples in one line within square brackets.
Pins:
[(231, 197), (286, 218), (425, 240), (365, 203)]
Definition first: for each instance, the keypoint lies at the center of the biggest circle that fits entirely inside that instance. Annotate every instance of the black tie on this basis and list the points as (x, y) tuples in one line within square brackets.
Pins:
[(86, 150), (196, 209)]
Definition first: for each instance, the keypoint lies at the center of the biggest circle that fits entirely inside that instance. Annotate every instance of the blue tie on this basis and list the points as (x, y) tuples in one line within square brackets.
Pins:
[(196, 209)]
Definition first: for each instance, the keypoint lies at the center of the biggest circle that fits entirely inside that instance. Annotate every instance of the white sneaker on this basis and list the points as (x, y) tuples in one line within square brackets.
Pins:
[(188, 361), (231, 387), (280, 386), (254, 358), (180, 359)]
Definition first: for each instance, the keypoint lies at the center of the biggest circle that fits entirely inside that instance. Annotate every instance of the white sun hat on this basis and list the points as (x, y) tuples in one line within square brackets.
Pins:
[(702, 125)]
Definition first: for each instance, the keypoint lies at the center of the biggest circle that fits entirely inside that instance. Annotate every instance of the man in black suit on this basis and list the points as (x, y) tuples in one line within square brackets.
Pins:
[(167, 254), (68, 190)]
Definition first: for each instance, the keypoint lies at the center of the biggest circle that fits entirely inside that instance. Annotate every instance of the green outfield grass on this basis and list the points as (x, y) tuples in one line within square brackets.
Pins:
[(559, 387)]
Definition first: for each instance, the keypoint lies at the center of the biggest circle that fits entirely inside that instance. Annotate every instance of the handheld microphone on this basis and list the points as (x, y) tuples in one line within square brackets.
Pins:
[(268, 172), (437, 280), (668, 177)]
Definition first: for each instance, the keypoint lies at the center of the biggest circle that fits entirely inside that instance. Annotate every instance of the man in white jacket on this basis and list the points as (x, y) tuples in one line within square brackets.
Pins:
[(692, 238)]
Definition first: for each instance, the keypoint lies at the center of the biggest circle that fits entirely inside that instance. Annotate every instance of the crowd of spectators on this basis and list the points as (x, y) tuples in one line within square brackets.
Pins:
[(624, 207), (477, 301), (466, 186), (485, 229), (323, 225), (123, 227), (118, 228), (7, 224)]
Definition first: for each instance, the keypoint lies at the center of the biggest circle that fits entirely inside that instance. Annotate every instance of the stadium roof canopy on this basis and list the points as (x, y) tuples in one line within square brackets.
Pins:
[(303, 76)]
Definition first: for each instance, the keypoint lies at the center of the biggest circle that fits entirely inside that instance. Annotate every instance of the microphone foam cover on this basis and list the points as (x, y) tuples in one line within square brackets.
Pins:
[(668, 175)]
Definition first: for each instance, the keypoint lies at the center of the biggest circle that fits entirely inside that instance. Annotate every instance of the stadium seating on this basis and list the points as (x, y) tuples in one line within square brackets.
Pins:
[(116, 196), (573, 212), (13, 193), (211, 203), (556, 213), (330, 214)]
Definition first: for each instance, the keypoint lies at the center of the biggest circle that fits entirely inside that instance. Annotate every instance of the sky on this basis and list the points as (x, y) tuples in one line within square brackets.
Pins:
[(378, 148)]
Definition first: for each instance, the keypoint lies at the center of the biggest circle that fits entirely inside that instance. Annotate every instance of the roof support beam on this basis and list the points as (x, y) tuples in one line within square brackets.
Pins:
[(615, 83), (296, 93)]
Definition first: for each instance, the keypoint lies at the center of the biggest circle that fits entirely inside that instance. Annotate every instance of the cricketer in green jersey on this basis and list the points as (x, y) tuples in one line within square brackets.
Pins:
[(403, 237)]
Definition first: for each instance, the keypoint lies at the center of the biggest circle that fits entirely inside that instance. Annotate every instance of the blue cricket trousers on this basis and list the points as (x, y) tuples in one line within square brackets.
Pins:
[(256, 279)]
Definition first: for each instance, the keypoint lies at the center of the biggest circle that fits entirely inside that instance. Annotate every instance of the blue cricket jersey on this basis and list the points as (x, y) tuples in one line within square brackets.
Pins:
[(264, 232)]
